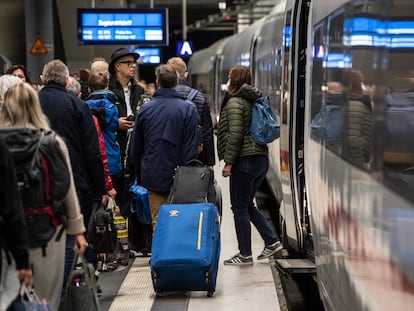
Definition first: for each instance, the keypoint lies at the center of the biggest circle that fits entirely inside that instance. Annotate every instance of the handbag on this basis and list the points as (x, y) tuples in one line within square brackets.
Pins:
[(140, 203), (102, 235), (80, 292), (27, 300)]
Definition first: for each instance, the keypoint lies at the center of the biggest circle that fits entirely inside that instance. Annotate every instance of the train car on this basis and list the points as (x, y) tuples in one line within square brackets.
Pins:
[(204, 73), (341, 79), (212, 64), (359, 180)]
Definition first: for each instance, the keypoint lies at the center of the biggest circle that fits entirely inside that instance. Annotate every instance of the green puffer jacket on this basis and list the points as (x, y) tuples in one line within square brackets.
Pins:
[(236, 116)]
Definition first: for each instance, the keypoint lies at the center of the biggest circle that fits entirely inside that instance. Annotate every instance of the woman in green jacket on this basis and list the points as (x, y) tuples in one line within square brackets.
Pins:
[(246, 163)]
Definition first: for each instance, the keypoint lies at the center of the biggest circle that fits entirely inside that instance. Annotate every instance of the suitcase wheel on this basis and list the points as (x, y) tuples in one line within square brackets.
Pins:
[(210, 293)]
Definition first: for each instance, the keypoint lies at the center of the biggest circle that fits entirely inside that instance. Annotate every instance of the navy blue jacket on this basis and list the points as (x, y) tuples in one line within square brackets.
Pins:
[(71, 118), (164, 137)]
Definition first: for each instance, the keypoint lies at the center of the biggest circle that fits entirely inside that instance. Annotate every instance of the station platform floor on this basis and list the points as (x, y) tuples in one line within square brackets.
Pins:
[(245, 288)]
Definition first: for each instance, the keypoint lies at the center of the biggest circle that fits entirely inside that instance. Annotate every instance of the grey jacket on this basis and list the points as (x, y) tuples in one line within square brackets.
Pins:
[(235, 119)]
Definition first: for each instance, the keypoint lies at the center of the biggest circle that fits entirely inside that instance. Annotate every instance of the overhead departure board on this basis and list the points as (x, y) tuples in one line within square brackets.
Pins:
[(123, 26)]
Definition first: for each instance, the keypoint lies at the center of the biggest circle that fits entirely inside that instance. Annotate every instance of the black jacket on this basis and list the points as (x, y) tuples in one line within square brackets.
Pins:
[(71, 118), (13, 229), (136, 91), (207, 155)]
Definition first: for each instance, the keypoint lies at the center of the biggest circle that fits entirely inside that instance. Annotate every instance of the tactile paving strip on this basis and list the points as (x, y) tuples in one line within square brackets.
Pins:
[(136, 291)]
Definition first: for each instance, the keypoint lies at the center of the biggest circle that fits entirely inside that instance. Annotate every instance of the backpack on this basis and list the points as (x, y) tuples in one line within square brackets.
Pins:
[(43, 180), (264, 127), (328, 123), (190, 97), (102, 235), (194, 183)]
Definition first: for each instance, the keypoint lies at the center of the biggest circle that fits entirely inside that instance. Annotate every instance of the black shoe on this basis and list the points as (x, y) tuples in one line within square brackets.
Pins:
[(269, 250)]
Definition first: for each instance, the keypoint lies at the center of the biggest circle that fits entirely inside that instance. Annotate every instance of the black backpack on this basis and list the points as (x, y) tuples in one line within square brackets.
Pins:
[(194, 183), (101, 233), (43, 180)]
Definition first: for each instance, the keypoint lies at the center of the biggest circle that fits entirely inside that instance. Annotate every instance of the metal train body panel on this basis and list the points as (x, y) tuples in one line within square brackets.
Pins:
[(204, 75), (345, 203)]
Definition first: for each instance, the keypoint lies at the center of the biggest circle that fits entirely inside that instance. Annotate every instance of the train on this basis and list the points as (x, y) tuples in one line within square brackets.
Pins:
[(340, 77)]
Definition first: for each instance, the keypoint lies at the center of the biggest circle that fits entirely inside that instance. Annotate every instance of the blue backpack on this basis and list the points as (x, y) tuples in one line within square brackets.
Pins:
[(328, 123), (265, 127)]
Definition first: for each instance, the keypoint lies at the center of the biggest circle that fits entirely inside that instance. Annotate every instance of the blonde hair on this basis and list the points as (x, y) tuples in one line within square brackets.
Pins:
[(178, 64), (21, 108)]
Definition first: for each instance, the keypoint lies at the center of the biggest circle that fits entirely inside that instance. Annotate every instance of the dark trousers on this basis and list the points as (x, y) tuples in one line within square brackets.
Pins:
[(246, 176)]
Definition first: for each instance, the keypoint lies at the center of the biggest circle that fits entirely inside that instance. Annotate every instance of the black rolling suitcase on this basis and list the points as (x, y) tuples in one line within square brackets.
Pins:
[(194, 183)]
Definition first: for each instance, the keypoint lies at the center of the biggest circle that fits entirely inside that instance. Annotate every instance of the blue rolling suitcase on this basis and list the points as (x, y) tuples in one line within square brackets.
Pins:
[(186, 248)]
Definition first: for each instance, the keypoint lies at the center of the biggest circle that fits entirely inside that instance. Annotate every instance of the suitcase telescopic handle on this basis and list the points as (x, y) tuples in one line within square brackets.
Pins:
[(194, 162)]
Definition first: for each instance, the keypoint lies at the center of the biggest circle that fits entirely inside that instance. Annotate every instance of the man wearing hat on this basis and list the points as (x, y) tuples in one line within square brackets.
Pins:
[(122, 72)]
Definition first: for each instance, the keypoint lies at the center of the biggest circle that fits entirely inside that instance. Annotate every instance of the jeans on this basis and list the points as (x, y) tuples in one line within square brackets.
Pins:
[(246, 176)]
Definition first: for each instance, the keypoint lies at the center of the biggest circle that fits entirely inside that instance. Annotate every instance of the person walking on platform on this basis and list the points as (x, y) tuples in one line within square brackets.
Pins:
[(101, 101), (206, 155), (21, 108), (164, 137), (13, 233), (122, 70), (246, 163), (97, 66), (73, 86), (71, 118)]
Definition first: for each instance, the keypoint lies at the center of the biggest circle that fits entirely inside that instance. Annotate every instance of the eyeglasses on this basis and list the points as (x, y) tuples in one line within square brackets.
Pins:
[(129, 63)]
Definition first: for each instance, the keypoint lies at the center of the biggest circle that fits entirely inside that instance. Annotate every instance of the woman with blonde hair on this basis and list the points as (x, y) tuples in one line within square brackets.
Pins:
[(21, 108)]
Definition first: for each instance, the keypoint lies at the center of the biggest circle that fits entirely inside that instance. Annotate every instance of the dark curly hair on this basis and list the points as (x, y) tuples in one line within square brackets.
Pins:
[(22, 68)]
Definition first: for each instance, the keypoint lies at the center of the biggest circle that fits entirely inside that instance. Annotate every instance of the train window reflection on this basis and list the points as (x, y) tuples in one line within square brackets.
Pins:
[(367, 31), (398, 152), (287, 37), (337, 60)]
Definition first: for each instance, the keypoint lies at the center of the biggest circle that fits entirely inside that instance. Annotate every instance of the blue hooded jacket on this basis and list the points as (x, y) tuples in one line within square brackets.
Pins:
[(102, 104)]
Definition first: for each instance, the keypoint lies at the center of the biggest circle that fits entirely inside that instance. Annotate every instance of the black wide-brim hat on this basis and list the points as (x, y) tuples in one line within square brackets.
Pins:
[(118, 53)]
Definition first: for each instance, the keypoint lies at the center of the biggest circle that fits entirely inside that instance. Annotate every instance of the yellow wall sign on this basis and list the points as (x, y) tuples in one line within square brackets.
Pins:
[(38, 47)]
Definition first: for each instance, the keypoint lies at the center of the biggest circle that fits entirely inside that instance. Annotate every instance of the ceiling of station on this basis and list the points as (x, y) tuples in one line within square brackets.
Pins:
[(205, 15), (240, 13)]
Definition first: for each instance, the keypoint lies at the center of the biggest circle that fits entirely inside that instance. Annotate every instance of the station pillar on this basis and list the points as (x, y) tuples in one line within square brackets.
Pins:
[(39, 36)]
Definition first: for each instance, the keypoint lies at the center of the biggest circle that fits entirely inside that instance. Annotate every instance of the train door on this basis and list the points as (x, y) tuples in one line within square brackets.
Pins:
[(216, 83), (295, 220)]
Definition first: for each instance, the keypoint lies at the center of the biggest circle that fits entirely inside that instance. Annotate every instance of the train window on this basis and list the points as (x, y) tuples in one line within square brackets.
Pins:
[(327, 96), (287, 40), (363, 89)]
